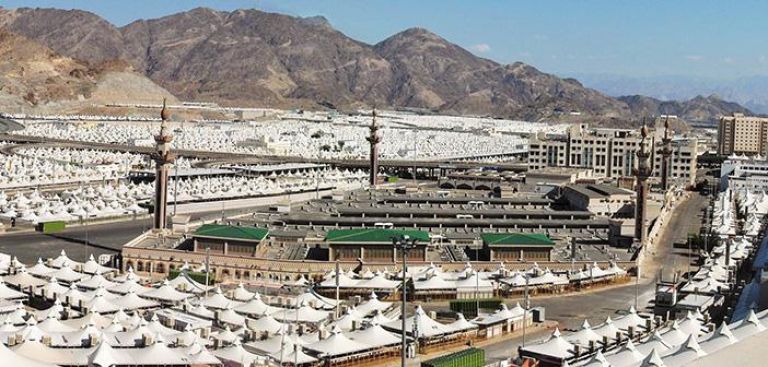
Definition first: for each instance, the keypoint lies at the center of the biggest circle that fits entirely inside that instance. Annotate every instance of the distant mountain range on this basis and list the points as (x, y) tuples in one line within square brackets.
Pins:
[(254, 58), (31, 75), (750, 92)]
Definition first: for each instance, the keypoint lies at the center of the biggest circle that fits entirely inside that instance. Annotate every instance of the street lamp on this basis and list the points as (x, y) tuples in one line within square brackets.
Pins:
[(404, 243)]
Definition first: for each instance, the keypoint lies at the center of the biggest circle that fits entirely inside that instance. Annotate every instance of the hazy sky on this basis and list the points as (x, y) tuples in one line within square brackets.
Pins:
[(717, 39)]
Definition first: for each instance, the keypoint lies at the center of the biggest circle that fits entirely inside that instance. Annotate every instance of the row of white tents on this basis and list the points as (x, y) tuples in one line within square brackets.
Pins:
[(292, 137), (688, 342), (433, 278), (94, 315)]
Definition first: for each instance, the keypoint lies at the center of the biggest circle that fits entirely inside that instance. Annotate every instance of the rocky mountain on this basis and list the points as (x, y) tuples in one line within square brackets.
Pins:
[(32, 75), (748, 91), (697, 109), (250, 57)]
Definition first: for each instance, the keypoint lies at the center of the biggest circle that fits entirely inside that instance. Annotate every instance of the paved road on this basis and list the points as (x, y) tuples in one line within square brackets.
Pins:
[(107, 238), (102, 239)]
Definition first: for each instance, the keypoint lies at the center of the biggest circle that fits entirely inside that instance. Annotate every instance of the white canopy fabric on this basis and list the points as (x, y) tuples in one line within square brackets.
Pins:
[(229, 316), (255, 307), (23, 280), (96, 281), (9, 358), (217, 300), (9, 294), (166, 293), (337, 344), (184, 283), (67, 274), (92, 267), (375, 336), (241, 294), (131, 301), (296, 356), (236, 353), (555, 346), (426, 326), (40, 269), (302, 314), (372, 305), (129, 286), (266, 323)]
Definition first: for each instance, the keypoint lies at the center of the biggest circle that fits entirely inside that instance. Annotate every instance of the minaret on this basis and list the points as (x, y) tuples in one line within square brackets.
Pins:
[(666, 153), (163, 159), (642, 173), (374, 139)]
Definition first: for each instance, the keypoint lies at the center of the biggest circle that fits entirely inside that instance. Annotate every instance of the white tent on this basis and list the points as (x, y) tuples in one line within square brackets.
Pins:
[(96, 281), (372, 305), (166, 293), (131, 301), (237, 354), (266, 323), (129, 286), (23, 280), (92, 267), (426, 326), (9, 294), (295, 357), (555, 346), (217, 300), (255, 307), (40, 269), (241, 294), (302, 314), (337, 344)]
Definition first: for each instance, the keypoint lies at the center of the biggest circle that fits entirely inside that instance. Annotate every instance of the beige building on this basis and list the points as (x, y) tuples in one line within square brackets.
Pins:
[(602, 200), (742, 135), (610, 153)]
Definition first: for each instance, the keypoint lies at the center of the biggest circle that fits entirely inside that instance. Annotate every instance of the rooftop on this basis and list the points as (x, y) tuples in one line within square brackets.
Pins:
[(528, 239), (234, 232), (373, 235), (598, 191)]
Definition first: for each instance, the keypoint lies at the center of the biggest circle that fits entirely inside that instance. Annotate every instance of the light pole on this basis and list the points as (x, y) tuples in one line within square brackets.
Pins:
[(526, 305), (207, 267), (477, 282), (404, 243)]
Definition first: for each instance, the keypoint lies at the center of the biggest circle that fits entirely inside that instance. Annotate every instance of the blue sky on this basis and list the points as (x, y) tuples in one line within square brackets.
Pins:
[(705, 38)]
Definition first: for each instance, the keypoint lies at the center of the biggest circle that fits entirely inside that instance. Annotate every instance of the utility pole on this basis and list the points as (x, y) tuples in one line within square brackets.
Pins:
[(477, 283), (404, 243), (526, 305), (637, 283), (175, 188), (689, 256), (207, 267), (337, 285)]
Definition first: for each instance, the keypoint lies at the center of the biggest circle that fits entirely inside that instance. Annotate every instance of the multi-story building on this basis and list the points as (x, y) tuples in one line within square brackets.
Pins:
[(610, 153), (740, 171), (742, 135)]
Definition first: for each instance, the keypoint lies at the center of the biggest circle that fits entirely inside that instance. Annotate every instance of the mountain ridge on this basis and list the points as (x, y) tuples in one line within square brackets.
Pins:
[(255, 58)]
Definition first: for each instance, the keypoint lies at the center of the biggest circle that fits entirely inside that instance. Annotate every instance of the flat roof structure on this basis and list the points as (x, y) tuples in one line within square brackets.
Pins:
[(373, 235), (220, 231), (461, 200), (597, 191), (387, 211), (314, 219), (517, 239)]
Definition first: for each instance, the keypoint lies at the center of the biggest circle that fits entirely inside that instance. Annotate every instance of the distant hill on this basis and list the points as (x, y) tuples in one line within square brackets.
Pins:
[(250, 57), (32, 75), (697, 109), (750, 92)]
